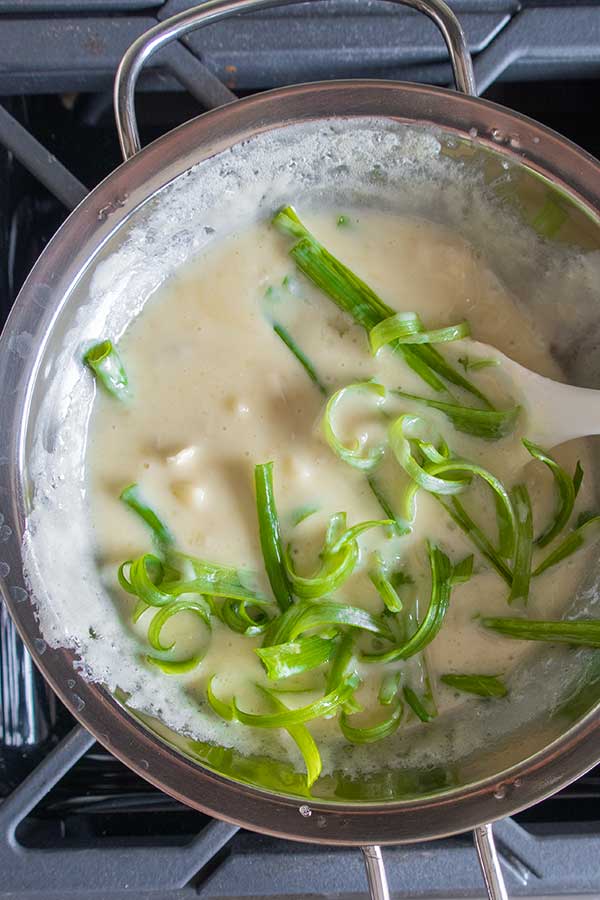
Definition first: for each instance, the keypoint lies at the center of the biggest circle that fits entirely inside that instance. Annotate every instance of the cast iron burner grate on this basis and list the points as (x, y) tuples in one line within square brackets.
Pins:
[(75, 821)]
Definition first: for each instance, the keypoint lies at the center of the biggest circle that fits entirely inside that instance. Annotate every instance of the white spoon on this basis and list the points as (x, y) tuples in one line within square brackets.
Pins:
[(555, 412)]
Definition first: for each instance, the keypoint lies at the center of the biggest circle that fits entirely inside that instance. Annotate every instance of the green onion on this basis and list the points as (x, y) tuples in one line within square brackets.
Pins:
[(106, 365), (417, 705), (524, 544), (399, 527), (353, 532), (324, 706), (352, 455), (270, 536), (174, 666), (303, 616), (441, 584), (353, 296), (573, 542), (302, 512), (488, 424), (335, 568), (342, 221), (475, 364), (460, 516), (549, 218), (582, 632), (371, 733), (304, 361), (566, 492), (463, 570), (390, 685), (146, 574), (400, 434), (482, 685), (249, 617), (407, 328), (383, 585), (222, 709), (198, 606), (342, 663), (577, 477), (295, 657), (132, 497), (303, 740)]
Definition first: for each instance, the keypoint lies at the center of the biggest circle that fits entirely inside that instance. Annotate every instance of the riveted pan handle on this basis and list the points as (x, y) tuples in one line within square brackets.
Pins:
[(214, 10)]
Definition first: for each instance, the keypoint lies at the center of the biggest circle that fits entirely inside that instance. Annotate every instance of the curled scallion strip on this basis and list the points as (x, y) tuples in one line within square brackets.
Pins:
[(524, 544), (303, 740), (295, 657), (249, 617), (565, 486), (368, 734), (487, 424), (106, 365), (482, 685), (383, 586), (270, 535), (335, 568), (304, 616), (174, 666), (590, 530), (322, 707), (132, 497), (460, 516), (580, 632), (222, 709), (389, 687), (401, 432), (189, 604), (353, 455), (407, 328)]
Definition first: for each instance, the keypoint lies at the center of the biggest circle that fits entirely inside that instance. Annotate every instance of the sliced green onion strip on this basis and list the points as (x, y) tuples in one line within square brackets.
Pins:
[(389, 687), (353, 296), (399, 527), (482, 685), (371, 733), (488, 424), (195, 605), (222, 709), (303, 740), (460, 516), (303, 512), (566, 493), (335, 568), (441, 584), (417, 705), (383, 586), (304, 616), (302, 358), (342, 663), (463, 570), (316, 710), (174, 666), (581, 632), (295, 657), (353, 455), (270, 535), (590, 530), (407, 328), (577, 477), (132, 497), (524, 544), (400, 433), (249, 617), (106, 365), (351, 534), (475, 364)]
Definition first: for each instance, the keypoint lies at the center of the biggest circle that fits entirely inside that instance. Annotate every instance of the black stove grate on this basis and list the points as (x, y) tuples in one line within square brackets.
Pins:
[(57, 139)]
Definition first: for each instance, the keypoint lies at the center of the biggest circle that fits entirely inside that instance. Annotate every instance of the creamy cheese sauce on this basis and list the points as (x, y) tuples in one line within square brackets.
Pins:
[(215, 391)]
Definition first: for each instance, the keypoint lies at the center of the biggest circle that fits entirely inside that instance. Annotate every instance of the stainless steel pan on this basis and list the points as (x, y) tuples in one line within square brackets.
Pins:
[(47, 313)]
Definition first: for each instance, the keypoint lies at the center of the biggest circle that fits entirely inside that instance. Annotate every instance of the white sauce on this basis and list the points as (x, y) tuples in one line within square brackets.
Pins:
[(216, 392)]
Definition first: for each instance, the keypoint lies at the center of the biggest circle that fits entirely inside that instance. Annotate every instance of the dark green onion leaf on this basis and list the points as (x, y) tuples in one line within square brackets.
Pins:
[(482, 685), (352, 455), (400, 434), (132, 497), (371, 733), (582, 632), (577, 477), (407, 328), (441, 584), (196, 605), (488, 424), (460, 516), (590, 530), (399, 527), (524, 545), (566, 493), (106, 365), (475, 364), (353, 296), (302, 358), (303, 740), (174, 666), (270, 536), (304, 616), (222, 709), (418, 706), (295, 657), (463, 570), (389, 687), (383, 586), (324, 706)]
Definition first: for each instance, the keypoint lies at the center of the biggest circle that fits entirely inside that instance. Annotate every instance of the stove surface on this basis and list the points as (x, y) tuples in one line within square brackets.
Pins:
[(73, 818)]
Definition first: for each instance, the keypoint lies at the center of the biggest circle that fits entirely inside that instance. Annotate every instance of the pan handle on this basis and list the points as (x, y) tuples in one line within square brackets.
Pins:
[(489, 862), (214, 10), (376, 877)]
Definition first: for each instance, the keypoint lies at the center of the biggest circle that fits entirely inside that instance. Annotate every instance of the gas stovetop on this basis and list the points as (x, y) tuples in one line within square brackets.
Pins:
[(74, 821)]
